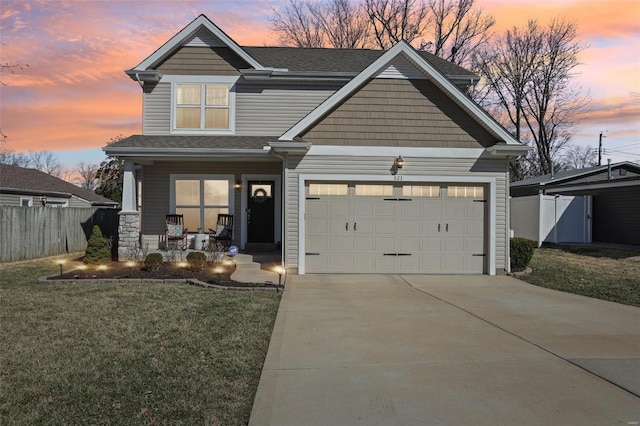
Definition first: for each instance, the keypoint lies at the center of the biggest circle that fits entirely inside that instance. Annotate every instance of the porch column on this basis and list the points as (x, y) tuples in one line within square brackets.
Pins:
[(129, 222)]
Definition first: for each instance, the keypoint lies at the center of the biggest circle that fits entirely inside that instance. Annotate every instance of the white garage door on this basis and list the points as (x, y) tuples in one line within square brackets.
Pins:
[(387, 228)]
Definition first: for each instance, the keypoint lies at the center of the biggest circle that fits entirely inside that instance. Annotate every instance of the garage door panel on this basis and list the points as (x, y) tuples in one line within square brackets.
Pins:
[(363, 244), (385, 264), (431, 263), (363, 262), (432, 208), (474, 264), (338, 226), (410, 209), (340, 243), (384, 244), (431, 244), (453, 245), (385, 226), (363, 207), (362, 226), (317, 226), (410, 227), (317, 243), (410, 244), (339, 208), (474, 245), (409, 264), (384, 209)]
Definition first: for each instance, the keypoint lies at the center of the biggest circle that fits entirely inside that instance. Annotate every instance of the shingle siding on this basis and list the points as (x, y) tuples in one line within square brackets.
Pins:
[(202, 61), (412, 113)]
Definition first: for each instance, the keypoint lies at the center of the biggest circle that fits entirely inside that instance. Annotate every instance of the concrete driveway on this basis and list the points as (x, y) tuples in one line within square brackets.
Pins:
[(414, 350)]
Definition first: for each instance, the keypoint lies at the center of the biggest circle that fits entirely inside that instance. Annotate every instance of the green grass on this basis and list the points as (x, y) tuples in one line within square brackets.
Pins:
[(603, 273), (128, 353)]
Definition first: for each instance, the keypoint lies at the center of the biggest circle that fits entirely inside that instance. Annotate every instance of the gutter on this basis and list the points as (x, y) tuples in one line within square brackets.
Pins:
[(184, 152)]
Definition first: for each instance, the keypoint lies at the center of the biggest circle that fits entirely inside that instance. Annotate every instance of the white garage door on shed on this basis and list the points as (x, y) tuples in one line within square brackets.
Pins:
[(394, 228)]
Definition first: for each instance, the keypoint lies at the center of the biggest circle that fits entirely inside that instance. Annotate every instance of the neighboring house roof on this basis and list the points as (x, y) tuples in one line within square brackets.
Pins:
[(19, 179), (586, 176)]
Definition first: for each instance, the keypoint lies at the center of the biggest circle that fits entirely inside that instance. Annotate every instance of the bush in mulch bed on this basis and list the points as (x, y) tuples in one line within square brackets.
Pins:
[(218, 274)]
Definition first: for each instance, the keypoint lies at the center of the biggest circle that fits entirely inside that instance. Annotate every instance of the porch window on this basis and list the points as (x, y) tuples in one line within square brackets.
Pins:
[(202, 106), (200, 200)]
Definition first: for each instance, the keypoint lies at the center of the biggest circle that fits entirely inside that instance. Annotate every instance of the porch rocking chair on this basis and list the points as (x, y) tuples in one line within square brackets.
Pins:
[(175, 233), (223, 233)]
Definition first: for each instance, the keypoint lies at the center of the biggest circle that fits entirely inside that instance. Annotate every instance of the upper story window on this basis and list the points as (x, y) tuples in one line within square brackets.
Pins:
[(203, 107)]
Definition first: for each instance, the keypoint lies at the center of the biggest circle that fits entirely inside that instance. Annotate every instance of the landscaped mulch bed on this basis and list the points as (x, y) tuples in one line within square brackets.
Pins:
[(168, 272)]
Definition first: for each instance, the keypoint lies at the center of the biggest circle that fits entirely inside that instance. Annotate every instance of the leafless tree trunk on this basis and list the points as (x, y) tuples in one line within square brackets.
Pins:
[(529, 76), (396, 20), (457, 29)]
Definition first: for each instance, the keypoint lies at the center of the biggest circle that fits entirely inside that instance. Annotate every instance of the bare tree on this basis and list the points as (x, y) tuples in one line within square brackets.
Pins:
[(529, 75), (86, 175), (343, 26), (396, 20), (296, 26), (46, 162), (12, 158), (457, 29), (578, 157)]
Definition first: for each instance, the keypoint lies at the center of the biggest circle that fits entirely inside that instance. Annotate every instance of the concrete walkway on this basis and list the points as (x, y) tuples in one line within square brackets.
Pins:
[(415, 350)]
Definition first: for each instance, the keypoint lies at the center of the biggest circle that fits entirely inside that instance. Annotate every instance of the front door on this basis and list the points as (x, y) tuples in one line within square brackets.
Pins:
[(260, 211)]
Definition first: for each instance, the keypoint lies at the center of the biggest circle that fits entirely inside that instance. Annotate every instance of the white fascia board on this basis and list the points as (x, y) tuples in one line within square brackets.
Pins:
[(380, 64), (383, 151), (593, 186), (177, 40), (501, 150)]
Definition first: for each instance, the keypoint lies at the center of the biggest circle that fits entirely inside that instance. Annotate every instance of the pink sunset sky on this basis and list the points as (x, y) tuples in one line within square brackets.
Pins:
[(73, 96)]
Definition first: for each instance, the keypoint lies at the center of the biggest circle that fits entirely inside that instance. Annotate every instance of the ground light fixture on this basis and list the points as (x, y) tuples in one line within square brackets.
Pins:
[(280, 271), (60, 263), (218, 270), (102, 268), (130, 264), (182, 265)]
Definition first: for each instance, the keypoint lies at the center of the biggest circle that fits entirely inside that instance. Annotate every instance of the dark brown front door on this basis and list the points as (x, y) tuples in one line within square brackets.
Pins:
[(260, 211)]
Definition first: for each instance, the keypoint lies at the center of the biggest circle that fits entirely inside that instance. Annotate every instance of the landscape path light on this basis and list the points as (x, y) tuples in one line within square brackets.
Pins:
[(60, 263)]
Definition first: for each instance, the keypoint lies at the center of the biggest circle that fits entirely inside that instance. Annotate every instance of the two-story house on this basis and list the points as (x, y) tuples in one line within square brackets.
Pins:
[(353, 161)]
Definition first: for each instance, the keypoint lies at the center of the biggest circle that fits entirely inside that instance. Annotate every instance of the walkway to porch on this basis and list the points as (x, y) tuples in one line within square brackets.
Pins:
[(251, 265)]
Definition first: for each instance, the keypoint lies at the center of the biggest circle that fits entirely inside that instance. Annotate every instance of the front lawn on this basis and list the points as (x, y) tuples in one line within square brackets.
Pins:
[(128, 353), (603, 273)]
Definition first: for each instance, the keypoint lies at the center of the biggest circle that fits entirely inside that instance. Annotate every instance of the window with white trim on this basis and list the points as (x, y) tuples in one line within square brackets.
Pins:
[(200, 199), (203, 107), (26, 201)]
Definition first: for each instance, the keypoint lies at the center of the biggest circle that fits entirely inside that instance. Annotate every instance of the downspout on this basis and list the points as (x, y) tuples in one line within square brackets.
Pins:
[(282, 208)]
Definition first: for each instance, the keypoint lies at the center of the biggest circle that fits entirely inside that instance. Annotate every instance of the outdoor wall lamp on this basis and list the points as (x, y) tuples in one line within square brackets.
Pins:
[(238, 185), (398, 162)]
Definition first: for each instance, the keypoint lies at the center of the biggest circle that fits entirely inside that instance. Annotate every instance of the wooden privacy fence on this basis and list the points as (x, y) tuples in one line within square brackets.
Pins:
[(34, 232)]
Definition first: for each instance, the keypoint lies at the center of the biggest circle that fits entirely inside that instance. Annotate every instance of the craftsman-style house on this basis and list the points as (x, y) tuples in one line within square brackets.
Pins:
[(351, 161)]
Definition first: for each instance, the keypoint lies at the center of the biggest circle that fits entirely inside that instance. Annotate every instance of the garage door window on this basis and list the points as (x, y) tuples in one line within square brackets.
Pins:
[(420, 191), (326, 189), (374, 190), (465, 192)]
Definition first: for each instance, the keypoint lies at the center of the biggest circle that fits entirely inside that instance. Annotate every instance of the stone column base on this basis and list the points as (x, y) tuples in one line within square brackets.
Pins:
[(128, 235)]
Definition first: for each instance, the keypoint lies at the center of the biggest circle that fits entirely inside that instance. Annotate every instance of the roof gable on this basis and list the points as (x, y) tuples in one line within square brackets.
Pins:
[(199, 32), (401, 52)]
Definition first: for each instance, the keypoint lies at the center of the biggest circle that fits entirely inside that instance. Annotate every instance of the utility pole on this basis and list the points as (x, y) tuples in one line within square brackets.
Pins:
[(600, 151)]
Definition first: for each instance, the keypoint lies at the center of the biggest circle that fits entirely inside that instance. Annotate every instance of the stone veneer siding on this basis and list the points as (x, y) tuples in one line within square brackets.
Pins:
[(128, 234)]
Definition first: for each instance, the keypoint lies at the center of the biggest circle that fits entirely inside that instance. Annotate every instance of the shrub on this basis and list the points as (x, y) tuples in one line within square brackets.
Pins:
[(196, 260), (153, 261), (521, 253), (98, 252)]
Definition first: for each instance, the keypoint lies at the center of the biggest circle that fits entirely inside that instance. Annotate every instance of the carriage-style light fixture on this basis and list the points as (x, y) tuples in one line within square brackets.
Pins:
[(398, 162), (238, 185)]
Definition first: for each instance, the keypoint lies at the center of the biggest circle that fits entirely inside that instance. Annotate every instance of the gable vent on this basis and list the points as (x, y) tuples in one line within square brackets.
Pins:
[(204, 38), (400, 68)]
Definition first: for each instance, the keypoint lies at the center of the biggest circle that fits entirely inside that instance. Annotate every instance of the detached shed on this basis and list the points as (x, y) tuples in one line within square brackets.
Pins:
[(599, 203)]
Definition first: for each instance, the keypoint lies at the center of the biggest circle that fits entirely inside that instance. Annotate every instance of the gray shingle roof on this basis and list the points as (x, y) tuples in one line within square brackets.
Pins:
[(20, 178), (193, 141), (335, 60), (566, 174)]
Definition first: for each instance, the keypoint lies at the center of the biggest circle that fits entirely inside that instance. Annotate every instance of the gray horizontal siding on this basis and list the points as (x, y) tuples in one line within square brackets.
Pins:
[(419, 167), (260, 111), (388, 112), (157, 110), (12, 200), (272, 110)]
